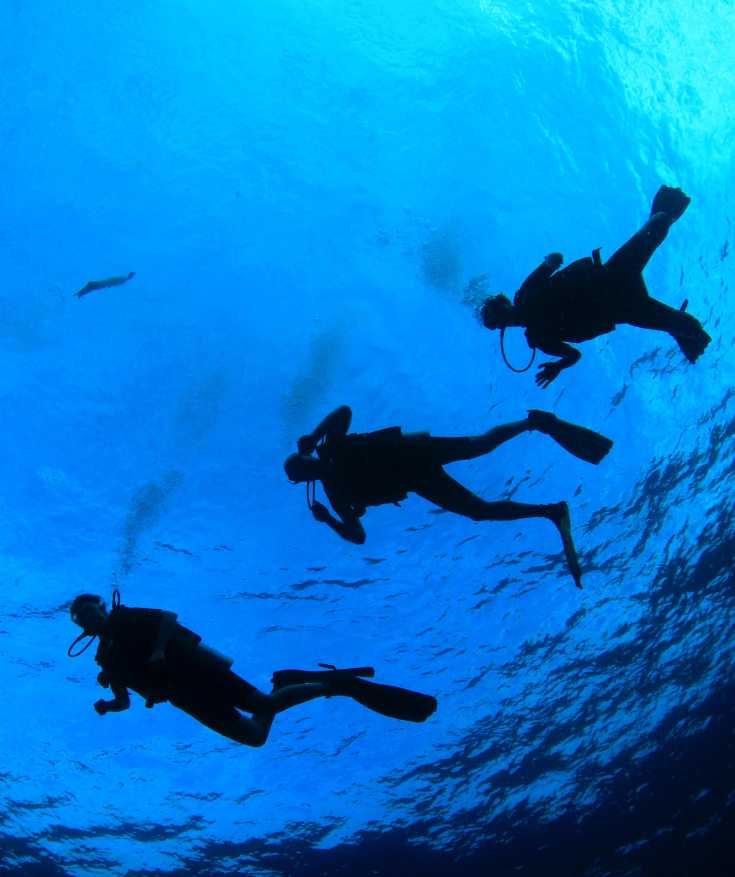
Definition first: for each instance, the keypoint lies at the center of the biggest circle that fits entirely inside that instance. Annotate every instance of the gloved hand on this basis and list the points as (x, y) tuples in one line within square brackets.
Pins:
[(554, 260), (547, 372), (100, 707)]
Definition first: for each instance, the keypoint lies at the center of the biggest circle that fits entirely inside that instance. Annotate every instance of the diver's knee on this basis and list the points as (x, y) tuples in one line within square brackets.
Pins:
[(254, 734), (260, 702)]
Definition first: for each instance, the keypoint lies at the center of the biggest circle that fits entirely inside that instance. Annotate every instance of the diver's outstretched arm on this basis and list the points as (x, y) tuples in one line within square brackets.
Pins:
[(549, 371), (334, 425), (348, 528)]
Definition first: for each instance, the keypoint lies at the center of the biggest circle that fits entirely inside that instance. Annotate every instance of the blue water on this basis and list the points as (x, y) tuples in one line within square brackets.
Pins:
[(303, 190)]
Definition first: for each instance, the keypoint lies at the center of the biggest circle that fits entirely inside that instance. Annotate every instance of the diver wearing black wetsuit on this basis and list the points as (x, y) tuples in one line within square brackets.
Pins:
[(146, 650), (588, 299), (364, 469)]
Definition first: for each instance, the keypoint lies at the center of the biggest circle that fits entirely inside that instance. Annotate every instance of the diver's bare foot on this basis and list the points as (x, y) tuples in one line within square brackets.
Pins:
[(671, 201), (559, 516)]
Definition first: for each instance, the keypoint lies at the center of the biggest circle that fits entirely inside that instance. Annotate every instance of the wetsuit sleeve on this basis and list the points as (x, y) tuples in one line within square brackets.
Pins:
[(347, 523), (334, 426), (348, 528), (567, 354), (119, 704)]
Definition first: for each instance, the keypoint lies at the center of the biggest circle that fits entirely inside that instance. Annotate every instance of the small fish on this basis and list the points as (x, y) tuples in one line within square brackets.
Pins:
[(92, 285)]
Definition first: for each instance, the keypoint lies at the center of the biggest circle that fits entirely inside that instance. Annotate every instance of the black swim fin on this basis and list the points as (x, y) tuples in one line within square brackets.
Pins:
[(563, 523), (693, 348), (388, 700), (584, 443), (281, 678), (670, 200)]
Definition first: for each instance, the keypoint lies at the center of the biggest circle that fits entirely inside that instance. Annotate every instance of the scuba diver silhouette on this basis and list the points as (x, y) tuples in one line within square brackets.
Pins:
[(146, 650), (587, 298), (364, 469)]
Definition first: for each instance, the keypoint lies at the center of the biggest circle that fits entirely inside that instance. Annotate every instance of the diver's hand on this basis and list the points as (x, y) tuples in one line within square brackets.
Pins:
[(102, 679), (100, 707), (320, 512), (306, 444), (554, 260), (547, 372)]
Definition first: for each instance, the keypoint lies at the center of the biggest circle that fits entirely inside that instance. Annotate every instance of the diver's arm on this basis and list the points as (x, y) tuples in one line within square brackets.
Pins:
[(120, 703), (348, 528), (165, 632), (334, 426), (549, 371)]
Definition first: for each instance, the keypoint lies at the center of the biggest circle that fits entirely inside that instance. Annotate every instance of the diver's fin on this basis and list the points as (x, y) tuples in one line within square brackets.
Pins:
[(693, 348), (281, 678), (584, 443), (670, 200), (388, 700), (563, 523)]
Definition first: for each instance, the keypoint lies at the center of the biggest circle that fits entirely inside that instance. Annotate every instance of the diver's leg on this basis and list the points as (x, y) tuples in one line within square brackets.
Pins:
[(226, 721), (264, 707), (633, 256), (254, 730), (448, 494), (668, 205), (687, 331), (442, 451), (649, 313), (248, 731)]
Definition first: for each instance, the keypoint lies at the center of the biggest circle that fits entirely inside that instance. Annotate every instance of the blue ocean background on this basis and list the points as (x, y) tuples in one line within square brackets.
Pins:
[(304, 190)]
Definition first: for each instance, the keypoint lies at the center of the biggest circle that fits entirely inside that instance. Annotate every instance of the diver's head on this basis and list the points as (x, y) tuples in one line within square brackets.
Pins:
[(300, 468), (89, 612), (496, 312)]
